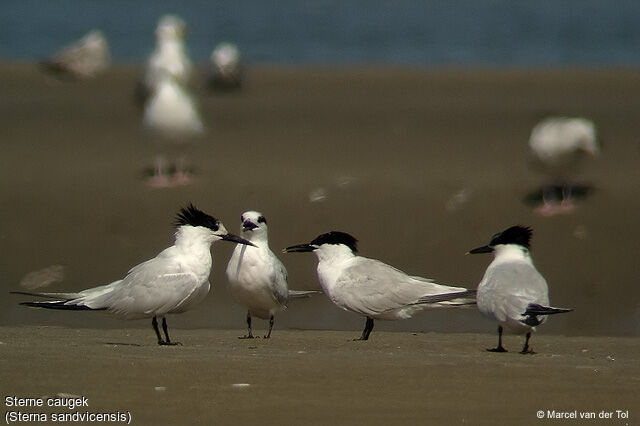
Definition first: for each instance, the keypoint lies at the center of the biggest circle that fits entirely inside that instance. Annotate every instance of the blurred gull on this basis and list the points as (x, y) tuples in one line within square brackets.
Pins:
[(372, 288), (558, 146), (83, 59), (257, 278), (226, 71), (172, 118), (168, 58), (172, 282), (512, 291)]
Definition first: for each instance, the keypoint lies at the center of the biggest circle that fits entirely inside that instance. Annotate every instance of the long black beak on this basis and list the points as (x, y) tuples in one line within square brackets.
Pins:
[(483, 249), (300, 248), (236, 239)]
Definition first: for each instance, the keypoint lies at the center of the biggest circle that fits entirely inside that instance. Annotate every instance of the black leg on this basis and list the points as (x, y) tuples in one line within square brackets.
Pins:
[(526, 349), (166, 334), (271, 321), (154, 323), (250, 334), (499, 348), (368, 326)]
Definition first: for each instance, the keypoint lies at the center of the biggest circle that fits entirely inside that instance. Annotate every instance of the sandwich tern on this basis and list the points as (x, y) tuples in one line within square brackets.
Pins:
[(257, 278), (172, 282), (558, 146), (512, 291), (83, 59), (372, 288)]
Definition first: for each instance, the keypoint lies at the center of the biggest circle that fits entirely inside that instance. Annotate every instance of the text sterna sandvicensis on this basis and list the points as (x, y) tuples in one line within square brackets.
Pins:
[(558, 146), (512, 290), (372, 288), (257, 278), (172, 282)]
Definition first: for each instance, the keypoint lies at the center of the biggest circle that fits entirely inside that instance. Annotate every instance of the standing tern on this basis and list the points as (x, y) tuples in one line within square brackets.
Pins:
[(372, 288), (512, 291), (257, 278), (558, 146), (172, 282)]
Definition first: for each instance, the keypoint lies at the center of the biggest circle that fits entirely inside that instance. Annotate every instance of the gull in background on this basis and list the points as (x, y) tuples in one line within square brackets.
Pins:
[(168, 58), (257, 278), (512, 291), (225, 68), (172, 282), (558, 146), (83, 59), (371, 288), (172, 118)]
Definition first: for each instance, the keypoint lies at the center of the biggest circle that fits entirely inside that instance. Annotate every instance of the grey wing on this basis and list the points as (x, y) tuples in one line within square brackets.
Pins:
[(508, 289), (278, 281), (371, 287), (153, 287)]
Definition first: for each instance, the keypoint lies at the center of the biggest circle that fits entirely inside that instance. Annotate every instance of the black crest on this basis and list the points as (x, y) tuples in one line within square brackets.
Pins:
[(336, 237), (191, 216), (520, 235)]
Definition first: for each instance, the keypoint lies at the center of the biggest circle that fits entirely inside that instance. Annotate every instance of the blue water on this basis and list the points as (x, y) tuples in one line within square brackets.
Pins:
[(432, 33)]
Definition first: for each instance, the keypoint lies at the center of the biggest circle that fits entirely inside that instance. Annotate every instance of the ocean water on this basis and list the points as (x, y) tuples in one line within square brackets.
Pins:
[(459, 33)]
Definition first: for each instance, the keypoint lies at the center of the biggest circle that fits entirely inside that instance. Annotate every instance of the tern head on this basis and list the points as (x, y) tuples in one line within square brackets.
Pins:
[(516, 235), (193, 221), (254, 226), (333, 242)]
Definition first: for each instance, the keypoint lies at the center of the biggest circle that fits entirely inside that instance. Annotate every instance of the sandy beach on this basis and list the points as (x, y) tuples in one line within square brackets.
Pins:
[(314, 377), (420, 165)]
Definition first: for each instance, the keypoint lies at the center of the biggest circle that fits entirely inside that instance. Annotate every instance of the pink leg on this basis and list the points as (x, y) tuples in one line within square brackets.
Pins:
[(182, 175), (159, 178)]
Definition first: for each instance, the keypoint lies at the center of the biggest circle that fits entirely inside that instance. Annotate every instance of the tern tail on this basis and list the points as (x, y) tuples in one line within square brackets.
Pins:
[(61, 301), (60, 304), (535, 309), (301, 294), (467, 297)]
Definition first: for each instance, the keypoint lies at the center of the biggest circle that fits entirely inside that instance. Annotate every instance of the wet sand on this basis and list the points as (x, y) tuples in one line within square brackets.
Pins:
[(322, 377), (419, 165)]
